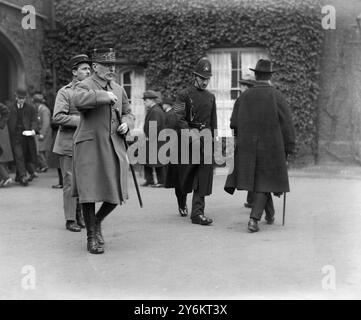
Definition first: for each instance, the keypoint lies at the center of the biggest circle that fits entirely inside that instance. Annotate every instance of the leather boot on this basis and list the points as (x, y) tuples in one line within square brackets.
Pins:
[(105, 209), (98, 232), (92, 244)]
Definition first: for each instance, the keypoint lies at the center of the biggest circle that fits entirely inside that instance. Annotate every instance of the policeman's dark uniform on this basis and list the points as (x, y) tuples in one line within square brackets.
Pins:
[(195, 109)]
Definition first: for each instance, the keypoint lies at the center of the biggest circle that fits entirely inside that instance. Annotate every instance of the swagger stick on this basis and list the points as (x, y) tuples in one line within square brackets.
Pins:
[(130, 165), (284, 209)]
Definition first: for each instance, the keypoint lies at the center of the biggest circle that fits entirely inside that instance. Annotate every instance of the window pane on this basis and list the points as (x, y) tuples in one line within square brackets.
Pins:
[(234, 94), (126, 78), (128, 91), (234, 57), (234, 79)]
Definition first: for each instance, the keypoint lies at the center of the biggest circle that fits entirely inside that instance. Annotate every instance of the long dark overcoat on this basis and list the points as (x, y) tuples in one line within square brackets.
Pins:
[(193, 176), (264, 135), (154, 117), (99, 156)]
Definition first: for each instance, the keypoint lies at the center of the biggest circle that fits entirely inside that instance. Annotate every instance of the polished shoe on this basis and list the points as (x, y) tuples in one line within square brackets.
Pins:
[(57, 186), (33, 176), (202, 220), (94, 247), (183, 212), (23, 181), (248, 205), (98, 233), (270, 220), (43, 169), (147, 184), (72, 226), (253, 225)]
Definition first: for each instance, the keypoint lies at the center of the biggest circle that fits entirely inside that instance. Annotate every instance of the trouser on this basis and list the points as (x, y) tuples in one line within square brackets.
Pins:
[(70, 203), (42, 159), (250, 197), (148, 173), (198, 202), (262, 201), (24, 150)]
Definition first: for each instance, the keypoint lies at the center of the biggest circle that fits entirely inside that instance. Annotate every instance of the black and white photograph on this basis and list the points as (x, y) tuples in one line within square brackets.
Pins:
[(180, 150)]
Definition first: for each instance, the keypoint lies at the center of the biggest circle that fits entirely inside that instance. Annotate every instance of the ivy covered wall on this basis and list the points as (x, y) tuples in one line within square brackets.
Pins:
[(167, 37)]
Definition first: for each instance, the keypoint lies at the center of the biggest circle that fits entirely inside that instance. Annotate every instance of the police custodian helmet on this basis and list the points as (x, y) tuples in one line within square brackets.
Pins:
[(203, 68)]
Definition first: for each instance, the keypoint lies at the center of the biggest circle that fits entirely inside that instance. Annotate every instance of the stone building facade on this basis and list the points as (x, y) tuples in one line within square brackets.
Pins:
[(21, 60)]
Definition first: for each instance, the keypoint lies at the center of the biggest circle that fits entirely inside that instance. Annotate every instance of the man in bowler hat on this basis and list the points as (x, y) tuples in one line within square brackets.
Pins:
[(265, 137), (67, 117)]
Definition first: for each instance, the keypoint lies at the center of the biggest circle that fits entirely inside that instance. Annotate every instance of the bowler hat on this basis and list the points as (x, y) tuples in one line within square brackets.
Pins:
[(21, 93), (203, 68), (78, 59), (105, 56), (264, 66), (150, 94)]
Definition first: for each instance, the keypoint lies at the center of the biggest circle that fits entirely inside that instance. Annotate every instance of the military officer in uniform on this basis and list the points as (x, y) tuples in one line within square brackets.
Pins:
[(99, 152), (196, 109), (67, 117)]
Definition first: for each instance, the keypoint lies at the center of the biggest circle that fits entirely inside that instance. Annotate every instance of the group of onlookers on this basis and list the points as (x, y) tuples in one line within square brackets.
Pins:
[(25, 138)]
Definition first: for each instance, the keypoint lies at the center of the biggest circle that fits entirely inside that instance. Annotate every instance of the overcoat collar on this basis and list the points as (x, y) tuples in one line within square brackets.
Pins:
[(101, 82)]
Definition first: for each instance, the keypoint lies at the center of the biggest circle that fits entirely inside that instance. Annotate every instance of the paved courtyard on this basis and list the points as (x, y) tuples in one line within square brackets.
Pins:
[(152, 253)]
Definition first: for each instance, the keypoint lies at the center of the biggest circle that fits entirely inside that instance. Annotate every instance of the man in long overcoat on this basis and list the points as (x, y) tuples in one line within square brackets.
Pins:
[(100, 159), (155, 117), (196, 110), (264, 138), (67, 117), (22, 126)]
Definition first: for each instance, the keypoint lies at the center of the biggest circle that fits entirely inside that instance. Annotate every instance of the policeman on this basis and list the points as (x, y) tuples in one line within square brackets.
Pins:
[(196, 111)]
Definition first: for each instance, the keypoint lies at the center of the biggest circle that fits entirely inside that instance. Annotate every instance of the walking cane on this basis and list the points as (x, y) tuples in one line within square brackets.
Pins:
[(130, 165), (284, 209)]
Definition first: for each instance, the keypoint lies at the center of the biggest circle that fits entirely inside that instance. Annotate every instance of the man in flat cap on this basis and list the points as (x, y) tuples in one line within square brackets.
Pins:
[(264, 138), (154, 116), (196, 112), (67, 117), (22, 126), (100, 159)]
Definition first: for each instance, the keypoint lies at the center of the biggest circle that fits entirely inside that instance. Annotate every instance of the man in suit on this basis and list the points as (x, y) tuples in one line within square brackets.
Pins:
[(265, 137), (22, 125), (67, 117), (100, 159), (154, 116), (197, 114)]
